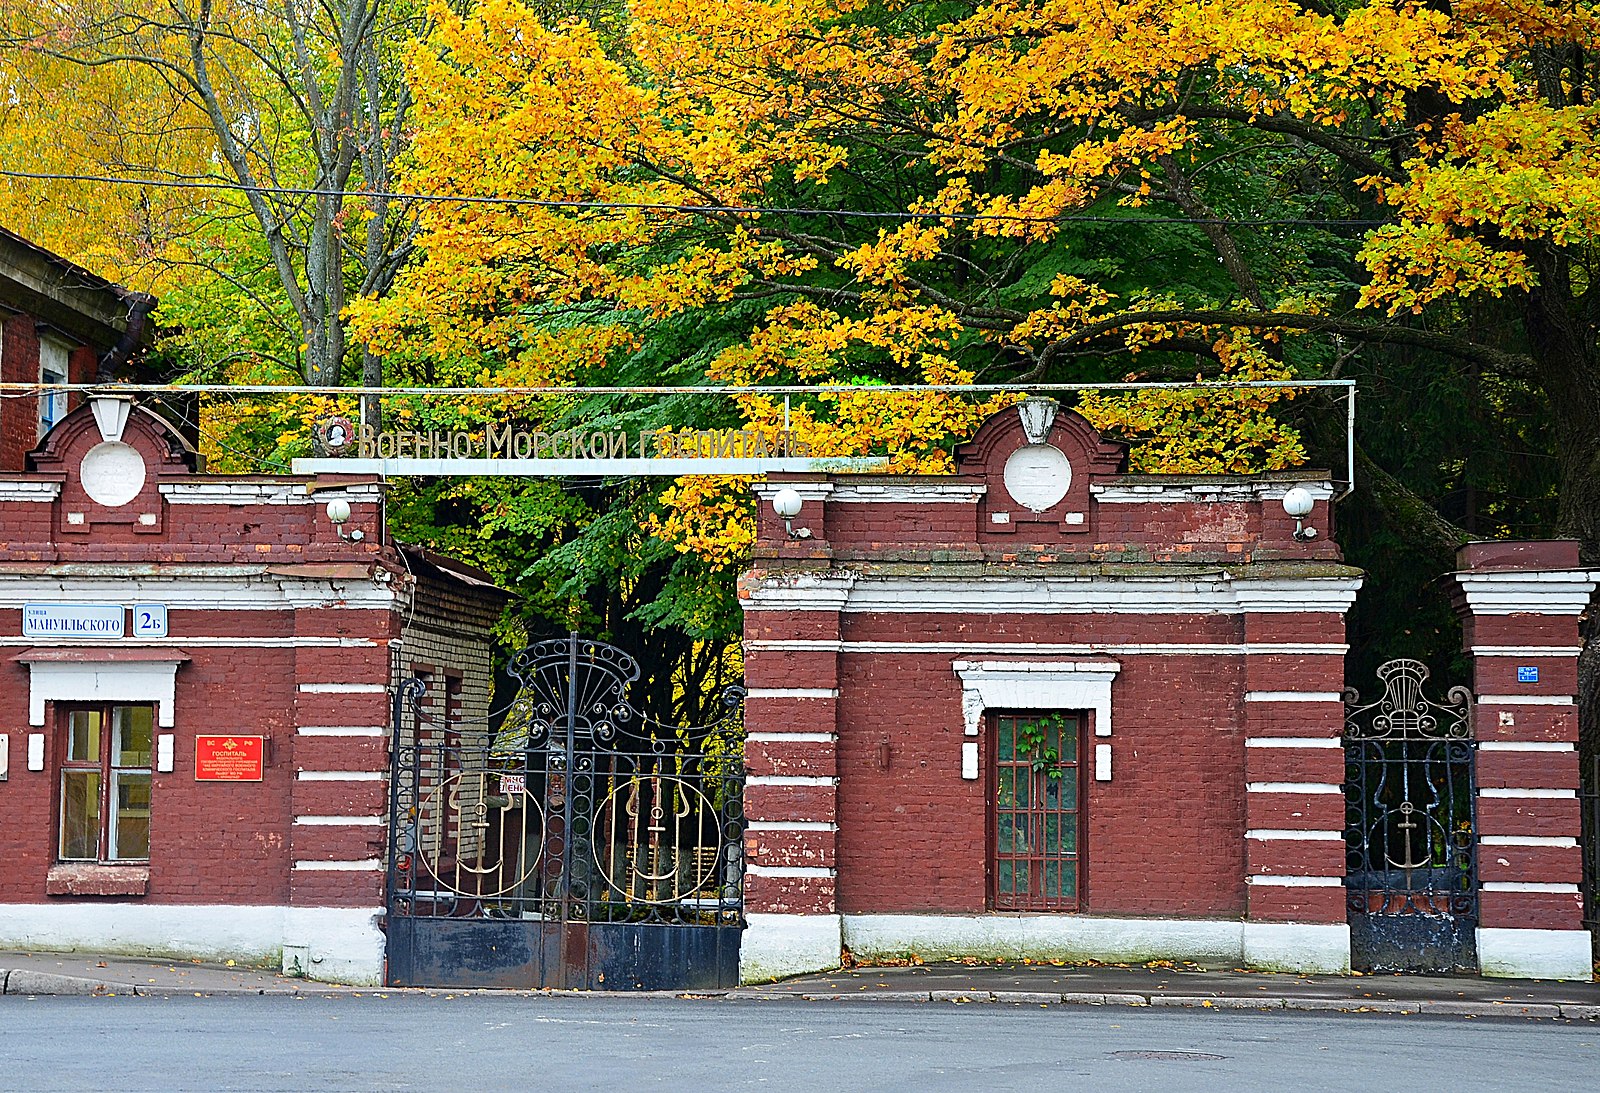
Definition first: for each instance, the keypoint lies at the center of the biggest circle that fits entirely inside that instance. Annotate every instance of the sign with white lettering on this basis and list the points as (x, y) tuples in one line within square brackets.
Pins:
[(149, 620), (72, 620)]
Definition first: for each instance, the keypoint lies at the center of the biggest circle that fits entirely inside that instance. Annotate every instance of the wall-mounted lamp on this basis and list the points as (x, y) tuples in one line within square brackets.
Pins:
[(786, 503), (338, 516), (1298, 503)]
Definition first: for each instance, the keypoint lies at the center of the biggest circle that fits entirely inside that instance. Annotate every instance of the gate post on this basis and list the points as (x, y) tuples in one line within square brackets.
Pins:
[(792, 634), (1519, 604), (1294, 775)]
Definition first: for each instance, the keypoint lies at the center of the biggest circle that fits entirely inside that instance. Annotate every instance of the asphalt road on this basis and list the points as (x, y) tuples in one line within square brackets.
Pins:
[(490, 1043)]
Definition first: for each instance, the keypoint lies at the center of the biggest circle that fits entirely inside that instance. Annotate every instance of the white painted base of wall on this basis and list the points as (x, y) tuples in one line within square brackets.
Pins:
[(774, 946), (340, 944), (1305, 947), (1535, 954), (1044, 937)]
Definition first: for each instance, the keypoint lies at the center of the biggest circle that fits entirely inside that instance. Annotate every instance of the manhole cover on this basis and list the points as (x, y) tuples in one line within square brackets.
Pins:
[(1174, 1056)]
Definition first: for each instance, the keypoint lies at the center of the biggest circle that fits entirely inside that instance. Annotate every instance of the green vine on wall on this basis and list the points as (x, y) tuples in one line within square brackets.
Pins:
[(1032, 737)]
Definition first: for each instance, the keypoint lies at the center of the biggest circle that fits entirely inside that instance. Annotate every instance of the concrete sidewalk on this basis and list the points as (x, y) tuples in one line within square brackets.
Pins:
[(41, 973), (1180, 985)]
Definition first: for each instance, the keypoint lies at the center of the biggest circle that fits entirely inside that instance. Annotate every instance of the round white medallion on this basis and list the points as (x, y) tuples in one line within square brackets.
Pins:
[(112, 474), (1038, 476)]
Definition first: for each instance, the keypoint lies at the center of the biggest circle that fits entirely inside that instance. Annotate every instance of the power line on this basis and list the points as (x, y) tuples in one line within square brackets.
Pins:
[(671, 207)]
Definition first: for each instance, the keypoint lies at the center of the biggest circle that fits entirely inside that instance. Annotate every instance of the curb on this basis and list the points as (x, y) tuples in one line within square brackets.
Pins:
[(1504, 1010), (25, 982)]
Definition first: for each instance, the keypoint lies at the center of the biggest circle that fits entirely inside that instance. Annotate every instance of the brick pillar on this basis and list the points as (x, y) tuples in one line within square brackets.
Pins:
[(1519, 604), (1294, 774), (341, 797), (791, 789)]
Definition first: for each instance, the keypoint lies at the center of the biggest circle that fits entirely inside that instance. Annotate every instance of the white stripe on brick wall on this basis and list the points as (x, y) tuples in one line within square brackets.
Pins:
[(1294, 742), (788, 870), (780, 737), (342, 730), (1293, 787), (340, 775), (209, 643), (1562, 841), (1524, 745), (1040, 648), (790, 825), (787, 780), (1296, 882), (792, 692), (1536, 794), (1526, 650), (1527, 886), (1274, 835), (1293, 696), (343, 688), (339, 821), (366, 865), (1524, 700)]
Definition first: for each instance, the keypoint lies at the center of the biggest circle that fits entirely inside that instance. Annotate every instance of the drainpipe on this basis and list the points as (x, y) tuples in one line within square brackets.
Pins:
[(140, 305)]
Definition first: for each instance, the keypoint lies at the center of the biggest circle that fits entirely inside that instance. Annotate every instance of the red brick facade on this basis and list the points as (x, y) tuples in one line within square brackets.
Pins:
[(278, 627)]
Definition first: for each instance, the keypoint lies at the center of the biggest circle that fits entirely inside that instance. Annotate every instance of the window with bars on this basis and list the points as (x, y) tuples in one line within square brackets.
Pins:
[(1035, 814), (105, 783)]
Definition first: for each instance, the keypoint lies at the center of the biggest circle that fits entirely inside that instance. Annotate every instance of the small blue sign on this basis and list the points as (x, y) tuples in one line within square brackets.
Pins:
[(1527, 673)]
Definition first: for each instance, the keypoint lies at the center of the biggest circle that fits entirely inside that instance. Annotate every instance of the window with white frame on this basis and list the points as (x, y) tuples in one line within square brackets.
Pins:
[(54, 356), (105, 783)]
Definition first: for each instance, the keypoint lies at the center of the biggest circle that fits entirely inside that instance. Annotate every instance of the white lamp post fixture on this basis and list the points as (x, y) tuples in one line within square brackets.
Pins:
[(1298, 503), (111, 414), (786, 503), (339, 515)]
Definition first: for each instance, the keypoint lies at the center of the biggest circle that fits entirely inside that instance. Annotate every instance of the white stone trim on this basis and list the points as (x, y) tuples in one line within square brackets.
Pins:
[(341, 730), (788, 780), (193, 587), (808, 491), (1535, 954), (1293, 787), (343, 688), (1524, 745), (1294, 742), (340, 775), (774, 946), (366, 865), (1534, 794), (792, 692), (1525, 650), (195, 642), (1245, 492), (14, 491), (1527, 886), (103, 681), (907, 493), (1036, 685), (1051, 595), (790, 825), (1041, 648), (1062, 937), (1560, 841), (215, 492), (1512, 592), (1277, 881), (345, 944), (789, 871), (339, 821), (1293, 696), (1265, 834), (1525, 700), (778, 736), (1309, 948)]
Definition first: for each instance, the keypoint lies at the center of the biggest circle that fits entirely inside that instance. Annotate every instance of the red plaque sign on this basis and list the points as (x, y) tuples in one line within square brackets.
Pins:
[(227, 759)]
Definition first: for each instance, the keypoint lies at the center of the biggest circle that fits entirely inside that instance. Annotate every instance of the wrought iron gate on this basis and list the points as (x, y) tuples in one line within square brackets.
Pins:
[(1589, 804), (576, 843), (1410, 790)]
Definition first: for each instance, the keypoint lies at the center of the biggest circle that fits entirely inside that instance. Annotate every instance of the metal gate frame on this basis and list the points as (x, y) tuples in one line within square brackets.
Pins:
[(1411, 826), (569, 840)]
